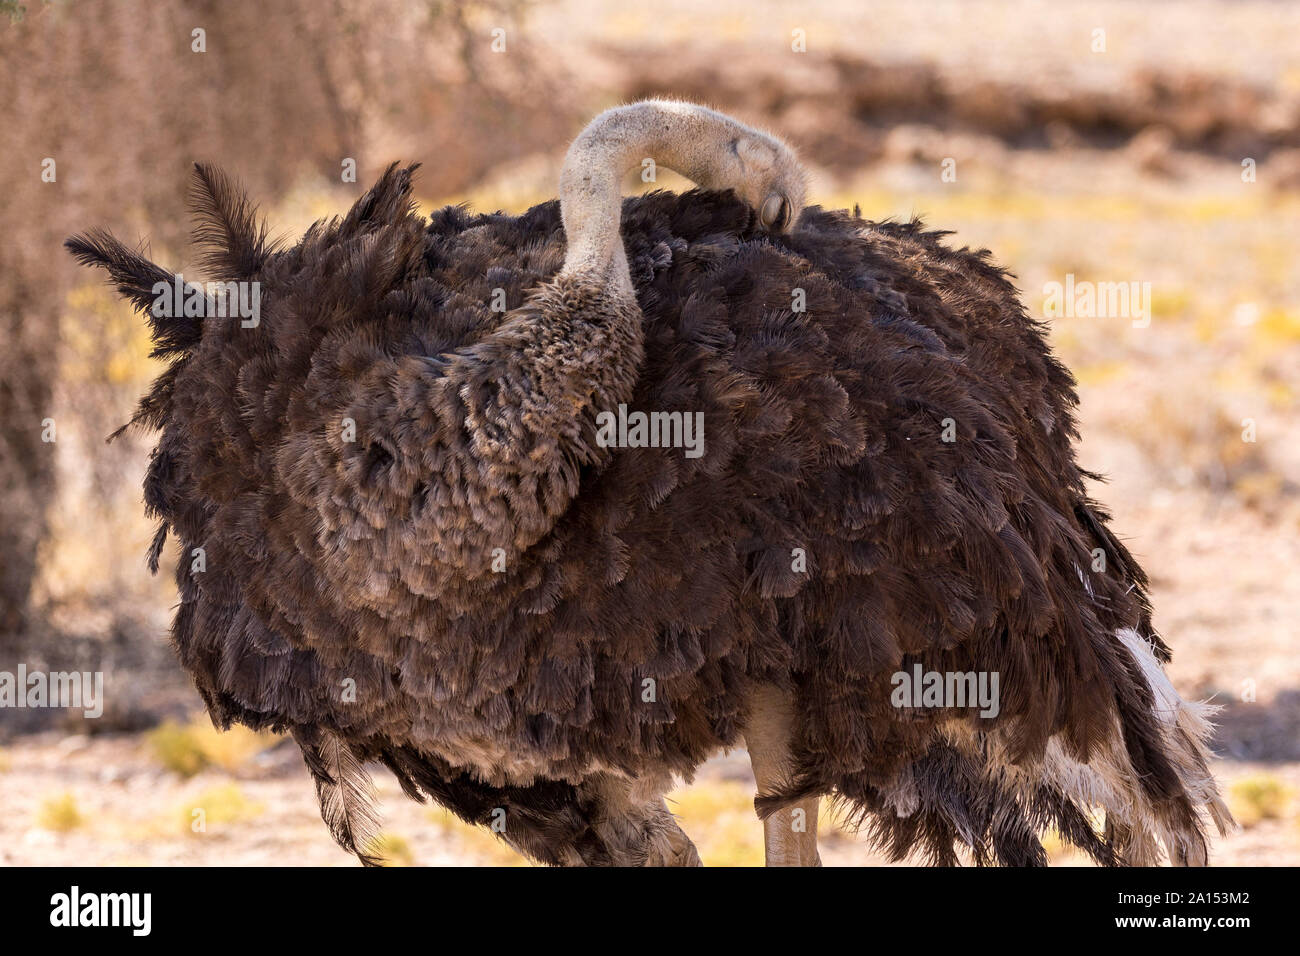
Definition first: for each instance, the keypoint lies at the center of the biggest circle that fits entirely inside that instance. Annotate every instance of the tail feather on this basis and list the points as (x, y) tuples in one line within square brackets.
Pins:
[(345, 791), (146, 285), (1186, 730), (970, 789), (1138, 824), (234, 246), (226, 227)]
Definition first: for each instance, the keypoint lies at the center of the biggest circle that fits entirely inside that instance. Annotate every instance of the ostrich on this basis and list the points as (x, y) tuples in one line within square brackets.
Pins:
[(424, 548)]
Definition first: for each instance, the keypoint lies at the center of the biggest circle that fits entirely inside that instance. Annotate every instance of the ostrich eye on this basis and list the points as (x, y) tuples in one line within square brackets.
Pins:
[(775, 214)]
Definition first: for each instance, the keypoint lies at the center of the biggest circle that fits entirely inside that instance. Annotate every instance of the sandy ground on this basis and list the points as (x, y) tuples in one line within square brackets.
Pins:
[(133, 813)]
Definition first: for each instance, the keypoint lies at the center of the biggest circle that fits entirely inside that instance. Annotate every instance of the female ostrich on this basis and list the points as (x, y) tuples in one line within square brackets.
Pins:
[(423, 546)]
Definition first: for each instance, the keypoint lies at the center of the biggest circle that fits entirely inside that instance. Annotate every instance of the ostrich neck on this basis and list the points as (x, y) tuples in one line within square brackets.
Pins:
[(704, 146)]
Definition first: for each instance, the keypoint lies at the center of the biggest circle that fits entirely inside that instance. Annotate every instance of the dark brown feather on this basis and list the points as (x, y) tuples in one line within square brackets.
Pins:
[(371, 560)]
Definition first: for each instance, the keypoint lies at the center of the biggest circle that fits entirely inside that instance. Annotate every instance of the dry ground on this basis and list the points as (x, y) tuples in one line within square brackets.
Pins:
[(80, 801)]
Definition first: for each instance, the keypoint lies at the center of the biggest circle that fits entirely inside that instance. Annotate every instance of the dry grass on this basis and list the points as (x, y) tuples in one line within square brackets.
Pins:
[(217, 807), (60, 814), (477, 843), (1258, 798), (719, 817), (391, 849), (186, 749)]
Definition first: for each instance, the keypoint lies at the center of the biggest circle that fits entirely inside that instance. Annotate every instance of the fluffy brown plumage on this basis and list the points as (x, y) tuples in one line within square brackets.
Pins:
[(498, 587)]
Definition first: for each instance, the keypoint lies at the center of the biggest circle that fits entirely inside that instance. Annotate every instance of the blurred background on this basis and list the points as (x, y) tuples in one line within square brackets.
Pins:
[(1147, 142)]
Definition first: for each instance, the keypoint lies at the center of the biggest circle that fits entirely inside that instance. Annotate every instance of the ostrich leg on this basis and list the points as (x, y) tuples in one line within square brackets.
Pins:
[(790, 833), (607, 820), (633, 824)]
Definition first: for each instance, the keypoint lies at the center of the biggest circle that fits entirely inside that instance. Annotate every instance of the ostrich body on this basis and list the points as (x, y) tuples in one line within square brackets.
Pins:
[(420, 550)]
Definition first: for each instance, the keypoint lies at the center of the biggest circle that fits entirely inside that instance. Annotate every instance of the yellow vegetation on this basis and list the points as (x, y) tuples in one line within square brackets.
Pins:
[(60, 814), (188, 748)]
